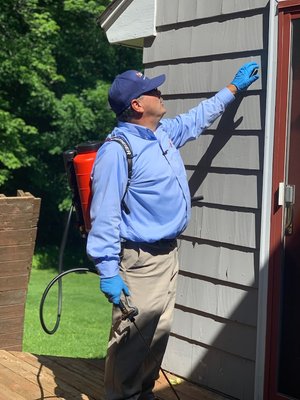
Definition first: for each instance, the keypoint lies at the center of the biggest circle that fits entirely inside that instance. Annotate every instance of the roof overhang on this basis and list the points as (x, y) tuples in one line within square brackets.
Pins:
[(129, 22)]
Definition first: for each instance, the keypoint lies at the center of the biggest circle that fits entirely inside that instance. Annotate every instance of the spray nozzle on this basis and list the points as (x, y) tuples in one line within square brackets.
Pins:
[(128, 311)]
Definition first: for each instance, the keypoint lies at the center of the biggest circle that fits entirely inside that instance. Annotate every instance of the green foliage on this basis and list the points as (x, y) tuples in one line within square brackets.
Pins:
[(47, 257), (80, 116), (55, 69), (13, 151)]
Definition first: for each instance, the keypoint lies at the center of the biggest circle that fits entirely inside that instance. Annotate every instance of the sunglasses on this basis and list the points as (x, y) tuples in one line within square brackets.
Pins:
[(153, 92)]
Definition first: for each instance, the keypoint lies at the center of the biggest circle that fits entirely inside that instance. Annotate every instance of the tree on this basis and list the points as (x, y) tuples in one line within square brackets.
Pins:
[(55, 69)]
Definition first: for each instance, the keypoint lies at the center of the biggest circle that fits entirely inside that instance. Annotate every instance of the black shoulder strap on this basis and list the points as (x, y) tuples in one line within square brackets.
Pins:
[(129, 156)]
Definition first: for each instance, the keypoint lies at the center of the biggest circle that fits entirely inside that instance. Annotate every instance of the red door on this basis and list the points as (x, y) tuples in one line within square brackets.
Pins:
[(282, 372)]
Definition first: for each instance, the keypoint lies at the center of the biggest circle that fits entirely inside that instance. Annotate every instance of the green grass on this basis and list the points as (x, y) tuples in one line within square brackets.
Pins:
[(85, 319)]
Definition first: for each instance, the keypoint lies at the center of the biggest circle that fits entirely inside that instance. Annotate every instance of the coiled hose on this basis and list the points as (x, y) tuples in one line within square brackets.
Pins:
[(58, 279)]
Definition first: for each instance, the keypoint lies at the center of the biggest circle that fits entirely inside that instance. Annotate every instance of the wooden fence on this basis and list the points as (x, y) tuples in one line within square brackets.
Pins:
[(18, 227)]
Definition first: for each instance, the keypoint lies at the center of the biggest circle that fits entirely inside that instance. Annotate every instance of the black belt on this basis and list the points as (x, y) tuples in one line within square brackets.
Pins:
[(158, 243)]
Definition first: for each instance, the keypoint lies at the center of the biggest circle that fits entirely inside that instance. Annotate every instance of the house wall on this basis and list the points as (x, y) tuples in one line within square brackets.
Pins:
[(200, 45)]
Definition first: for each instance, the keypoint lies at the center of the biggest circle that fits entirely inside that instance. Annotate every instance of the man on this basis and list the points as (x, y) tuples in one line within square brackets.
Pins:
[(135, 251)]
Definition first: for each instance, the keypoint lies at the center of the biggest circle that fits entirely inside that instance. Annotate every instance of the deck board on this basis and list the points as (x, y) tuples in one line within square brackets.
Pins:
[(26, 376)]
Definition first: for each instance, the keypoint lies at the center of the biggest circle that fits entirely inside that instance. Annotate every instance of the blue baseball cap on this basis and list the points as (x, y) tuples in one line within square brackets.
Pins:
[(128, 86)]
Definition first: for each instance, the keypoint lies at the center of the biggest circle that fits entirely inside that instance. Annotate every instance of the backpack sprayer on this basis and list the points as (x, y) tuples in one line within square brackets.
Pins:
[(78, 164)]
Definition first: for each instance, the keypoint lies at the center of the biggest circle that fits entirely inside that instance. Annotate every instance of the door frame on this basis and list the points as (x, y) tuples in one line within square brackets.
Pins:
[(287, 11)]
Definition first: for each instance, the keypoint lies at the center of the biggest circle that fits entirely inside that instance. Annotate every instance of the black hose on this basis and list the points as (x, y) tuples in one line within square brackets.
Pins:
[(54, 280), (58, 278), (155, 360)]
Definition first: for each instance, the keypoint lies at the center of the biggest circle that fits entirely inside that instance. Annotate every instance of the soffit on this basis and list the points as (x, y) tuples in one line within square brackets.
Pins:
[(128, 22)]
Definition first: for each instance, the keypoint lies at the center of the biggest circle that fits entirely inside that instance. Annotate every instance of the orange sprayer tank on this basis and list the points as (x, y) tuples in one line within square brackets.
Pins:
[(83, 163)]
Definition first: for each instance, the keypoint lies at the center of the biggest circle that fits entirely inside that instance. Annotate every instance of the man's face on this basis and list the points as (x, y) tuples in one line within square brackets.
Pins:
[(153, 104)]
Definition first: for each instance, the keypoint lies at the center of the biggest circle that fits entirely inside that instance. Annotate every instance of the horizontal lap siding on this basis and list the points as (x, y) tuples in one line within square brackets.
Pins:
[(237, 152), (212, 368), (208, 39), (236, 339), (218, 261), (246, 117), (171, 11), (234, 303), (224, 188), (199, 46), (226, 226), (206, 75)]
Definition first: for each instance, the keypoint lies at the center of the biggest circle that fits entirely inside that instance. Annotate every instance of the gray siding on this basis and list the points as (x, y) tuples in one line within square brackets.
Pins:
[(216, 369), (217, 299), (199, 46), (224, 187), (172, 11), (221, 263), (206, 74), (211, 38), (235, 227)]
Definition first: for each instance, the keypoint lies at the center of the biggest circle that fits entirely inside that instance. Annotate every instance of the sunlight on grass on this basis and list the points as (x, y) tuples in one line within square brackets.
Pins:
[(85, 319)]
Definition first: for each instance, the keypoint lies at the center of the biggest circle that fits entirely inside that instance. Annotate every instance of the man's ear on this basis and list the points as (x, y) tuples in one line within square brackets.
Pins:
[(137, 106)]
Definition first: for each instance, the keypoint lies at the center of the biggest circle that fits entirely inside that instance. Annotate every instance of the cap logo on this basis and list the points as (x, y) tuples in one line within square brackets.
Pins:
[(140, 75)]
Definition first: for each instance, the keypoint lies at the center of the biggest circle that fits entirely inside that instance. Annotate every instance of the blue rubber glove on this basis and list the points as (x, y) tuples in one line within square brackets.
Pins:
[(244, 77), (113, 288)]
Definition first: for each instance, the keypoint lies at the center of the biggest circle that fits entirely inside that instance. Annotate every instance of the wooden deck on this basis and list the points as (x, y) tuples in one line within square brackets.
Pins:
[(25, 376)]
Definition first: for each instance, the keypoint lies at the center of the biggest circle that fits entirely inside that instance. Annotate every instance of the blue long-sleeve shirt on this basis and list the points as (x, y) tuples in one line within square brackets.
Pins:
[(158, 196)]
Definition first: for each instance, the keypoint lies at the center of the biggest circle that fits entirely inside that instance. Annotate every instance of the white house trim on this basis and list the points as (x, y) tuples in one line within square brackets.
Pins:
[(128, 22), (266, 204)]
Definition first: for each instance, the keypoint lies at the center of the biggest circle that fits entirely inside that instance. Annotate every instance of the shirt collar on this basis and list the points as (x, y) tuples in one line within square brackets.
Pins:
[(137, 130)]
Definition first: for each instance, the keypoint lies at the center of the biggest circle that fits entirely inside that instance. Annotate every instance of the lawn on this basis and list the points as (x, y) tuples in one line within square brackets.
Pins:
[(85, 319)]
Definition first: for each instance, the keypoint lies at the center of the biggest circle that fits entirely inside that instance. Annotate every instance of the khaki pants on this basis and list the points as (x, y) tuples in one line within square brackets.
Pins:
[(150, 271)]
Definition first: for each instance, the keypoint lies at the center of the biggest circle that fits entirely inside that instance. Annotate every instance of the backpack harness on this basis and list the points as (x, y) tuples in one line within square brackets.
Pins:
[(129, 157)]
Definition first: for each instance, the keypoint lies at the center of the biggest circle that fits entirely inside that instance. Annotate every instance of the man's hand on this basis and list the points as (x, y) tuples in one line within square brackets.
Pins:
[(245, 76), (113, 288)]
